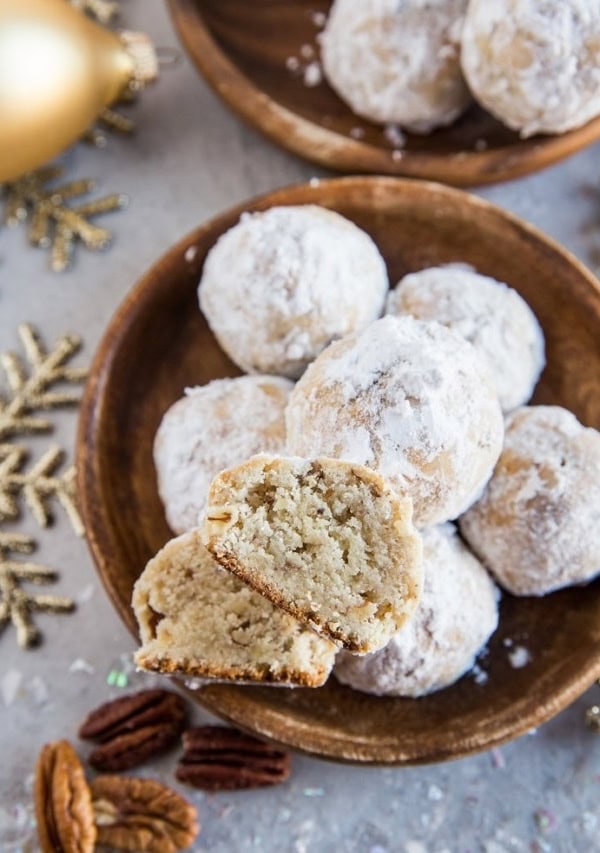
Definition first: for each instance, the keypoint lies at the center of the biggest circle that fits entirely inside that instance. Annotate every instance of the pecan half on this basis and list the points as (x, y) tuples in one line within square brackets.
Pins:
[(131, 712), (63, 804), (134, 727), (217, 758), (142, 814)]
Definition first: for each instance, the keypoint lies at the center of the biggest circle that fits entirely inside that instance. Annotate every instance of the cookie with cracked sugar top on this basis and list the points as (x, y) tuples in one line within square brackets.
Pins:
[(280, 285), (534, 64), (457, 614), (493, 317), (537, 525), (397, 61), (410, 399), (213, 427), (199, 621), (326, 540)]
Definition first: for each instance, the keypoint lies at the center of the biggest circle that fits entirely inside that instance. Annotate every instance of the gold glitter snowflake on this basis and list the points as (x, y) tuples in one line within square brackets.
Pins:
[(34, 390), (16, 605), (37, 486), (52, 223)]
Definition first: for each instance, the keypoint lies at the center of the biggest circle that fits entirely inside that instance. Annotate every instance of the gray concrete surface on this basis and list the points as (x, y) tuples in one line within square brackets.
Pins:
[(190, 159)]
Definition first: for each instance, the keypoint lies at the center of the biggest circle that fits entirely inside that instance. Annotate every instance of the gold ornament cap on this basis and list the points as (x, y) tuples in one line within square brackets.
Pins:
[(143, 54)]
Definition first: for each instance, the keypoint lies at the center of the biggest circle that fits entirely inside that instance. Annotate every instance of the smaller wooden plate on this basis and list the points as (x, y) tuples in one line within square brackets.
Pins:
[(158, 343), (242, 47)]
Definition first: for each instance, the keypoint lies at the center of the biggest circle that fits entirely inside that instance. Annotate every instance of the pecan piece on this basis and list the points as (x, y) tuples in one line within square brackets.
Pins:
[(63, 803), (134, 727), (217, 758), (142, 814), (131, 712)]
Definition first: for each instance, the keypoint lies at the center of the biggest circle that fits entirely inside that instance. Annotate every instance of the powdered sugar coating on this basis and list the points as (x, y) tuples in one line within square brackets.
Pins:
[(537, 525), (535, 64), (487, 313), (397, 61), (455, 617), (214, 427), (280, 285), (409, 399)]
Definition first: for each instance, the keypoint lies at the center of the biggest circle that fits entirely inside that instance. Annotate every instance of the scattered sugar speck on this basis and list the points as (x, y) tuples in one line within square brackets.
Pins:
[(38, 690), (507, 642), (397, 155), (307, 51), (414, 847), (480, 676), (435, 793), (394, 136), (313, 74), (292, 63), (86, 594), (81, 665), (497, 758), (519, 657), (313, 792), (190, 253), (314, 182), (589, 822), (357, 132), (11, 682), (319, 19)]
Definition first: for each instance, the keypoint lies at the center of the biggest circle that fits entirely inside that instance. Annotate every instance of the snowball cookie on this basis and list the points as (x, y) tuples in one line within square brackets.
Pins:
[(397, 61), (410, 399), (199, 621), (534, 65), (279, 286), (490, 315), (537, 525), (212, 427), (326, 540), (455, 617)]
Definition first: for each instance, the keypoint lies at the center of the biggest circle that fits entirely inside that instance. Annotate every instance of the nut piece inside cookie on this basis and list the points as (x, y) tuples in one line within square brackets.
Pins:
[(325, 540)]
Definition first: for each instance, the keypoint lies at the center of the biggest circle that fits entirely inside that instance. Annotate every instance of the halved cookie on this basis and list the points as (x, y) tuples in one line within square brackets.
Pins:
[(326, 540), (199, 621)]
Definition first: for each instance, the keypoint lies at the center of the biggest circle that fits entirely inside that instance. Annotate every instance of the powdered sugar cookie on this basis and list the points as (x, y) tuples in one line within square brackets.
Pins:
[(397, 61), (487, 313), (535, 64), (212, 427), (537, 525), (455, 617), (197, 620), (279, 286), (326, 540), (409, 399)]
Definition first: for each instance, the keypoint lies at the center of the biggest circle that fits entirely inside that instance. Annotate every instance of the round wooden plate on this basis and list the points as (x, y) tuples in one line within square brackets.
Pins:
[(242, 47), (158, 343)]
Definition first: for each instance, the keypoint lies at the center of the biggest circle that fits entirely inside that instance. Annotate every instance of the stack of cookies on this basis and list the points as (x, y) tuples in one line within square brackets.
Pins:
[(359, 518)]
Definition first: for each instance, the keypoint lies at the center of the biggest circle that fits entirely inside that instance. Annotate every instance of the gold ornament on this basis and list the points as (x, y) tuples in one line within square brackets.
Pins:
[(36, 486), (58, 71), (30, 393), (53, 224), (16, 605)]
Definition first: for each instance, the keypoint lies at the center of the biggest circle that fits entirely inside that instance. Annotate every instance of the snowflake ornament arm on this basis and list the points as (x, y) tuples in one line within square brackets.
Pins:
[(17, 605), (30, 393), (36, 486)]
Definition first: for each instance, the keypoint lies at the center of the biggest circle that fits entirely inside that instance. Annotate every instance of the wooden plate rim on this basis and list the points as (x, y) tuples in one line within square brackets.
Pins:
[(341, 154), (225, 703)]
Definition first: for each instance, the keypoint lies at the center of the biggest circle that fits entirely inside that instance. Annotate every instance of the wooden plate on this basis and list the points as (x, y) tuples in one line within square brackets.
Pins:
[(242, 47), (158, 343)]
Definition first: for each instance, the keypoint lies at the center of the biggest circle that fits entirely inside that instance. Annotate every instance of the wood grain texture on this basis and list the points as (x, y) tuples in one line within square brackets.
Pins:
[(241, 49), (158, 343)]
